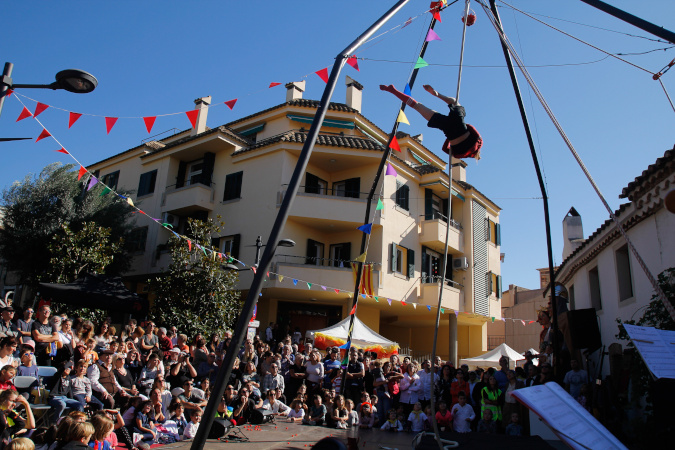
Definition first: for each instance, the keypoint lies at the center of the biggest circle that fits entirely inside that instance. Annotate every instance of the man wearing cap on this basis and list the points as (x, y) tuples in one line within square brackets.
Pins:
[(103, 382), (43, 335), (7, 327)]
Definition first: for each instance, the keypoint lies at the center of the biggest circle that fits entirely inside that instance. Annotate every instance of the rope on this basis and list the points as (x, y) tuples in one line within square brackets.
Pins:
[(657, 288)]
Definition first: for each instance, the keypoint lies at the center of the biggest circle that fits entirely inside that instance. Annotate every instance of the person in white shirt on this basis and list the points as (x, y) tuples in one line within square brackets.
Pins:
[(428, 380), (193, 425), (273, 405), (462, 415)]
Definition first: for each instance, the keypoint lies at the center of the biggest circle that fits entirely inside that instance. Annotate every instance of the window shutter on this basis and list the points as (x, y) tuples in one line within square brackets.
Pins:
[(207, 168), (353, 187), (346, 251), (235, 246), (499, 286), (498, 234), (406, 197), (488, 283), (411, 263), (428, 206), (393, 257), (448, 268), (487, 230), (425, 265), (311, 183), (215, 243), (180, 178)]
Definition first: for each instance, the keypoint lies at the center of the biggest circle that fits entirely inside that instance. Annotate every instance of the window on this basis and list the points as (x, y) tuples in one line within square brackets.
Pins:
[(493, 232), (432, 266), (594, 285), (314, 253), (229, 245), (233, 186), (402, 195), (146, 185), (347, 188), (194, 172), (624, 274), (315, 185), (494, 283), (136, 240), (111, 179), (402, 260), (340, 254)]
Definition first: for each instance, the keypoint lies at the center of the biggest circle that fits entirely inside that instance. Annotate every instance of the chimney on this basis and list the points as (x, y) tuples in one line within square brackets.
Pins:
[(573, 232), (294, 90), (201, 104), (354, 93)]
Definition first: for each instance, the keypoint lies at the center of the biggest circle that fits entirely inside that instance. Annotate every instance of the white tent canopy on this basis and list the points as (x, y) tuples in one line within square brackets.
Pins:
[(491, 358), (362, 336)]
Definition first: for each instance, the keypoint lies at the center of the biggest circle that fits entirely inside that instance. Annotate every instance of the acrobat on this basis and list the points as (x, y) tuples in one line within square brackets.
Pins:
[(462, 139)]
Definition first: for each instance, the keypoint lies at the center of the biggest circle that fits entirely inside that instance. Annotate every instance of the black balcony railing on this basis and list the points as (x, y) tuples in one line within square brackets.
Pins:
[(436, 215)]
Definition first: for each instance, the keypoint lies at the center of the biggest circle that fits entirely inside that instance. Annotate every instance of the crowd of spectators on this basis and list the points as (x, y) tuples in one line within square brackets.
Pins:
[(145, 384)]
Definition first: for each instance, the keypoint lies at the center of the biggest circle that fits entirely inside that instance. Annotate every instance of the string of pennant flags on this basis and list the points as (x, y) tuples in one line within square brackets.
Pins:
[(92, 181)]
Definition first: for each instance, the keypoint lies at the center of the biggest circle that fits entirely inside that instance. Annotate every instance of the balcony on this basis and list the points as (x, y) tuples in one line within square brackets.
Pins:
[(453, 294), (432, 233), (189, 198)]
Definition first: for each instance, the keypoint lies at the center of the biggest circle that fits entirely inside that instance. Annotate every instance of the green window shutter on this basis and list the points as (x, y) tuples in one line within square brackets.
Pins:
[(406, 197), (428, 205), (392, 253), (488, 283), (498, 234), (411, 263), (235, 246), (499, 286), (180, 178), (207, 170)]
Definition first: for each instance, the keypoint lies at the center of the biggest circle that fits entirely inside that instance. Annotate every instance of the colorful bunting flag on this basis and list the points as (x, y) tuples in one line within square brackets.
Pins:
[(62, 150), (130, 201), (394, 144), (92, 183), (432, 36), (254, 269), (337, 291), (390, 170), (323, 74), (407, 90), (493, 319), (531, 322), (523, 322), (280, 278), (403, 303), (189, 245), (110, 123), (81, 173), (43, 135), (353, 311), (230, 103), (274, 84), (407, 22), (437, 16), (402, 118), (363, 295), (352, 61), (376, 299), (323, 287), (367, 228), (414, 305), (24, 113), (39, 108), (420, 63), (149, 122), (429, 307), (380, 205), (72, 118), (104, 191), (456, 313), (309, 285), (389, 301), (192, 115), (295, 282), (361, 258), (442, 311)]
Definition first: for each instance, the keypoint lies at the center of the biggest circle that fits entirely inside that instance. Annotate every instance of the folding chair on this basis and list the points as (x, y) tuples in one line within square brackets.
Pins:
[(41, 408)]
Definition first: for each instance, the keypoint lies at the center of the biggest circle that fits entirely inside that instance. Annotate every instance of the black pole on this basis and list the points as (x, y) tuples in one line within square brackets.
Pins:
[(542, 187), (258, 246), (371, 195), (225, 369), (6, 82), (633, 20)]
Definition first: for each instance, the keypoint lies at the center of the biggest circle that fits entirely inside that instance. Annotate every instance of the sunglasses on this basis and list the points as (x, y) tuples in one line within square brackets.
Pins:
[(28, 353)]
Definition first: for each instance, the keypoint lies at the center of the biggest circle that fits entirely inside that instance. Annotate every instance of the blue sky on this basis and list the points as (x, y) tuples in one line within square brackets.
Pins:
[(156, 57)]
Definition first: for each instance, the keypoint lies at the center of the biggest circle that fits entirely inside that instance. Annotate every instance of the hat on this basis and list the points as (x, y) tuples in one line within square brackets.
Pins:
[(30, 343), (174, 350), (107, 352), (8, 308)]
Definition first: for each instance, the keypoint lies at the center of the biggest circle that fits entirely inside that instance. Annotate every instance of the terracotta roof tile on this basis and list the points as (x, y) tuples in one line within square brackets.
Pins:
[(300, 137), (668, 156), (301, 102)]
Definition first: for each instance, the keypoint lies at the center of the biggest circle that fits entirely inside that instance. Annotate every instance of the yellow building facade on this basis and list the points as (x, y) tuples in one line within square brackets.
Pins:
[(240, 171)]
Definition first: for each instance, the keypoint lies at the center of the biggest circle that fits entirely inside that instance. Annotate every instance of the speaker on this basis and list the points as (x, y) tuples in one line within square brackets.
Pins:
[(219, 428), (583, 329)]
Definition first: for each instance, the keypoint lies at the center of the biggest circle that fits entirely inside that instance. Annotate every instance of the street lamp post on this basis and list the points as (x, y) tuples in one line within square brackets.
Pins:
[(259, 245)]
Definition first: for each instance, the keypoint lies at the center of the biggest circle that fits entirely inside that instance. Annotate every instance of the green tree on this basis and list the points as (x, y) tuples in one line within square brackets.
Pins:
[(39, 207), (195, 294)]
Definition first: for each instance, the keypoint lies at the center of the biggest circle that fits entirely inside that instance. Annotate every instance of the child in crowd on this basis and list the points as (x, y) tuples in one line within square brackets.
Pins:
[(297, 413), (144, 423), (90, 354), (392, 424), (352, 415), (103, 426), (514, 428), (337, 380), (428, 423), (367, 418), (178, 416), (417, 418), (317, 414), (129, 415), (443, 416), (340, 414), (192, 427), (462, 414), (20, 444), (487, 425)]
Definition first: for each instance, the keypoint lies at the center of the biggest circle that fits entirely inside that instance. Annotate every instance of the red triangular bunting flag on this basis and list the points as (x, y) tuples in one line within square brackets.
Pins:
[(353, 310), (394, 144), (149, 122), (274, 84), (192, 115), (39, 108), (254, 269), (352, 61), (230, 103), (73, 118), (43, 135), (62, 150), (24, 113), (189, 245), (81, 173), (337, 291), (403, 303), (9, 92), (437, 16), (109, 123), (323, 74)]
